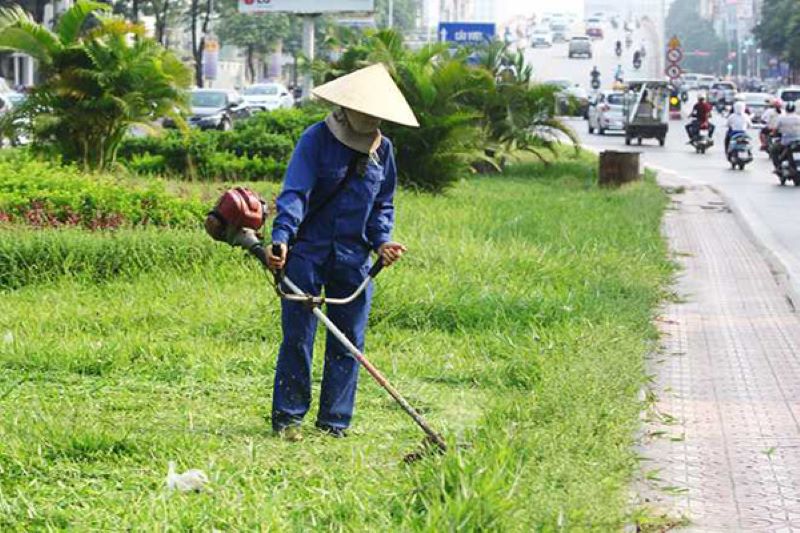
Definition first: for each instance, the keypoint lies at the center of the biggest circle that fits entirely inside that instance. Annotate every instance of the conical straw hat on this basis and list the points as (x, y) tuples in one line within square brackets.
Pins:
[(372, 91)]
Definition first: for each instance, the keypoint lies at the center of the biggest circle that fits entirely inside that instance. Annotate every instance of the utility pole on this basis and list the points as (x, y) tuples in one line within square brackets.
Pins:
[(390, 21)]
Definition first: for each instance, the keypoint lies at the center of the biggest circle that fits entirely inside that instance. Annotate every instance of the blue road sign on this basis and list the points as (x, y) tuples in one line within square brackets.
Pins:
[(466, 32)]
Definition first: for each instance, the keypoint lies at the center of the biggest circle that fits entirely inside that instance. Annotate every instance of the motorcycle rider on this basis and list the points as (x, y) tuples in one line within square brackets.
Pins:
[(637, 59), (788, 126), (618, 48), (618, 73), (701, 114), (770, 119), (738, 123)]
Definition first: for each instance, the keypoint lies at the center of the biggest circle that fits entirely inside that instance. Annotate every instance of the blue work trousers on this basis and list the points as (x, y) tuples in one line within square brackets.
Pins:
[(291, 398)]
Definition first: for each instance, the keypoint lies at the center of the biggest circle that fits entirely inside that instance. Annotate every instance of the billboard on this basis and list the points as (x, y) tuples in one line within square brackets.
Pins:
[(306, 6)]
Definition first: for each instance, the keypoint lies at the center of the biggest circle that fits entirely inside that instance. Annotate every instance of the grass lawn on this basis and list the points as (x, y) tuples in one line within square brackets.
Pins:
[(518, 323)]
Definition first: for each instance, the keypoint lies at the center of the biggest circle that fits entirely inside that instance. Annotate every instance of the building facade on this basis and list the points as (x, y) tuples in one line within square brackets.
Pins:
[(485, 11), (456, 10)]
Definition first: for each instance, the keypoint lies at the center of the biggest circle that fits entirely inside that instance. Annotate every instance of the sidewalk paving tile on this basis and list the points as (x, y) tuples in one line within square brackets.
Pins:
[(727, 381)]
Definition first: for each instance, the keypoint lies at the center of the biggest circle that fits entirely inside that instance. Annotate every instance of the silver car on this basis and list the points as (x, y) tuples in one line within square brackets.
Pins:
[(605, 112), (580, 46)]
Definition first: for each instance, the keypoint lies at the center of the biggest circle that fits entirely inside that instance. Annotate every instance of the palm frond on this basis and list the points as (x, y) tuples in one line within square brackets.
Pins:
[(71, 22)]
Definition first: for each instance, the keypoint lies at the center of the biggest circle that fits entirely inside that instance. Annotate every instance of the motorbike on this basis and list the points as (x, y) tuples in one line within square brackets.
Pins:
[(702, 141), (637, 62), (773, 141), (618, 50), (740, 151), (789, 167)]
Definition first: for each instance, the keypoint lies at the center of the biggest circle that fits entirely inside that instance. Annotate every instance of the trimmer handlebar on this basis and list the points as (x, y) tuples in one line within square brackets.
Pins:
[(297, 295)]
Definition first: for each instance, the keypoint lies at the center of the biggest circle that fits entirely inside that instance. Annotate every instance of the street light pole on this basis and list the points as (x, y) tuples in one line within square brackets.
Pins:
[(391, 14)]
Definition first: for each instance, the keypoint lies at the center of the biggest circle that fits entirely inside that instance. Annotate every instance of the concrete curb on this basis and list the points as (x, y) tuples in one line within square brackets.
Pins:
[(784, 269), (785, 272)]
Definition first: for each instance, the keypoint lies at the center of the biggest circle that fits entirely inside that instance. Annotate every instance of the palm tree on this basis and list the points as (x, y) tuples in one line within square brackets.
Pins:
[(100, 74), (519, 113)]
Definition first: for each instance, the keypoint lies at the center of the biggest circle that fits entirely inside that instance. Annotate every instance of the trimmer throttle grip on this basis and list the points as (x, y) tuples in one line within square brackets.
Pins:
[(278, 273), (377, 266)]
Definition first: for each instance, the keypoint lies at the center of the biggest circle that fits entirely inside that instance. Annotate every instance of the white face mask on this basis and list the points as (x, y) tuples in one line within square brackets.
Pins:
[(362, 123)]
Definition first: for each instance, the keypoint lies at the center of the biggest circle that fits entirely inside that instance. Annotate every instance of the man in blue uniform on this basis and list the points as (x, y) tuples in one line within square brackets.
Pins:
[(335, 207)]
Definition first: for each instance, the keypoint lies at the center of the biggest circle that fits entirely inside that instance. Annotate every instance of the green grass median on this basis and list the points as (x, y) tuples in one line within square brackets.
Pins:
[(518, 323)]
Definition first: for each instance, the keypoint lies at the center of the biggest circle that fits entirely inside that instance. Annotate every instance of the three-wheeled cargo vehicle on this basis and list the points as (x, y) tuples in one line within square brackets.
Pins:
[(646, 110)]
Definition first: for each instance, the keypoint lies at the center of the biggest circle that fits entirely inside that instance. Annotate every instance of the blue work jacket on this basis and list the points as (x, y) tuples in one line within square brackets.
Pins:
[(360, 218)]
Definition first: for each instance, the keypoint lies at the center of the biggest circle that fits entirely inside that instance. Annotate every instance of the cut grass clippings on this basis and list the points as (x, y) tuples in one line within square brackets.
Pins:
[(518, 323)]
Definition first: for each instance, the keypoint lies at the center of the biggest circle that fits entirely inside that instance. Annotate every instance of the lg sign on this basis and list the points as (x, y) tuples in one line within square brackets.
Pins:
[(306, 6)]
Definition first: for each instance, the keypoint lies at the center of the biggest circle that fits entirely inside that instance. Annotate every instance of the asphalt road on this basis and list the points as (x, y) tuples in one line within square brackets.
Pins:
[(767, 209)]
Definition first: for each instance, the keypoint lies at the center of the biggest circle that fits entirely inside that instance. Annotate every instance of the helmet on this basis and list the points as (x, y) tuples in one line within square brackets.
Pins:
[(236, 209), (777, 103)]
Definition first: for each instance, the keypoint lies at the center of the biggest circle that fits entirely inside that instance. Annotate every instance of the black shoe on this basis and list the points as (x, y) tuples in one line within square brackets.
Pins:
[(337, 433)]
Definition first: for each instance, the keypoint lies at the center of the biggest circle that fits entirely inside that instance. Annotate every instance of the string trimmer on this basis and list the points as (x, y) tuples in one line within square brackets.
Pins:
[(235, 219)]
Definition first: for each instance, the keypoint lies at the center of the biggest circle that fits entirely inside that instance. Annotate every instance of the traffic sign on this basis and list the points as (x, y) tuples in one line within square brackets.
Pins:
[(674, 55), (674, 72), (674, 43), (466, 32)]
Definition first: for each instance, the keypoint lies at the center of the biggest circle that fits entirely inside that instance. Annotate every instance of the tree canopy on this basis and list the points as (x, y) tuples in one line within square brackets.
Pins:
[(404, 16), (697, 35), (779, 30), (255, 34)]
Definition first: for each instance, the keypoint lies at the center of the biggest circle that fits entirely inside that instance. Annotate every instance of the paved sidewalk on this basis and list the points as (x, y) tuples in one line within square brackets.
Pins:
[(725, 435)]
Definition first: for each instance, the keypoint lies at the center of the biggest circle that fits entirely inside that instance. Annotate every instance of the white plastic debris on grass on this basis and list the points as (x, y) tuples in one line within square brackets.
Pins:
[(190, 481), (8, 337)]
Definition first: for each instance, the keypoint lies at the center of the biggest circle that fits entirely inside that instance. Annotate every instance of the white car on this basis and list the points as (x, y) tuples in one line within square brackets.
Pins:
[(789, 94), (541, 37), (756, 104), (606, 112), (267, 96)]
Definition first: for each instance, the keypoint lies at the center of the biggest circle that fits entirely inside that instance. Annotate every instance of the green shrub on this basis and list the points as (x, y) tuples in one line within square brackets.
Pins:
[(258, 148), (44, 194), (289, 122)]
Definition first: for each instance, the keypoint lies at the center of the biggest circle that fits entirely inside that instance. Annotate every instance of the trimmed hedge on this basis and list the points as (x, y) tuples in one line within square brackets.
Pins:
[(258, 148), (45, 194)]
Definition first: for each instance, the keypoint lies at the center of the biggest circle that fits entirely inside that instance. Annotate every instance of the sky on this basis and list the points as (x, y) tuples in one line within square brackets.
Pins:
[(508, 8)]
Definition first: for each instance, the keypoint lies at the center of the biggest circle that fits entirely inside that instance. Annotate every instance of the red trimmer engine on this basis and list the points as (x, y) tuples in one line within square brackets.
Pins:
[(237, 209)]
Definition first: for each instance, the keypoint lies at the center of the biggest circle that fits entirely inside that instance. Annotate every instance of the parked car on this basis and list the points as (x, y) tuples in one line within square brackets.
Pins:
[(214, 109), (541, 37), (605, 112), (580, 46), (756, 104), (267, 97), (789, 94), (15, 132)]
